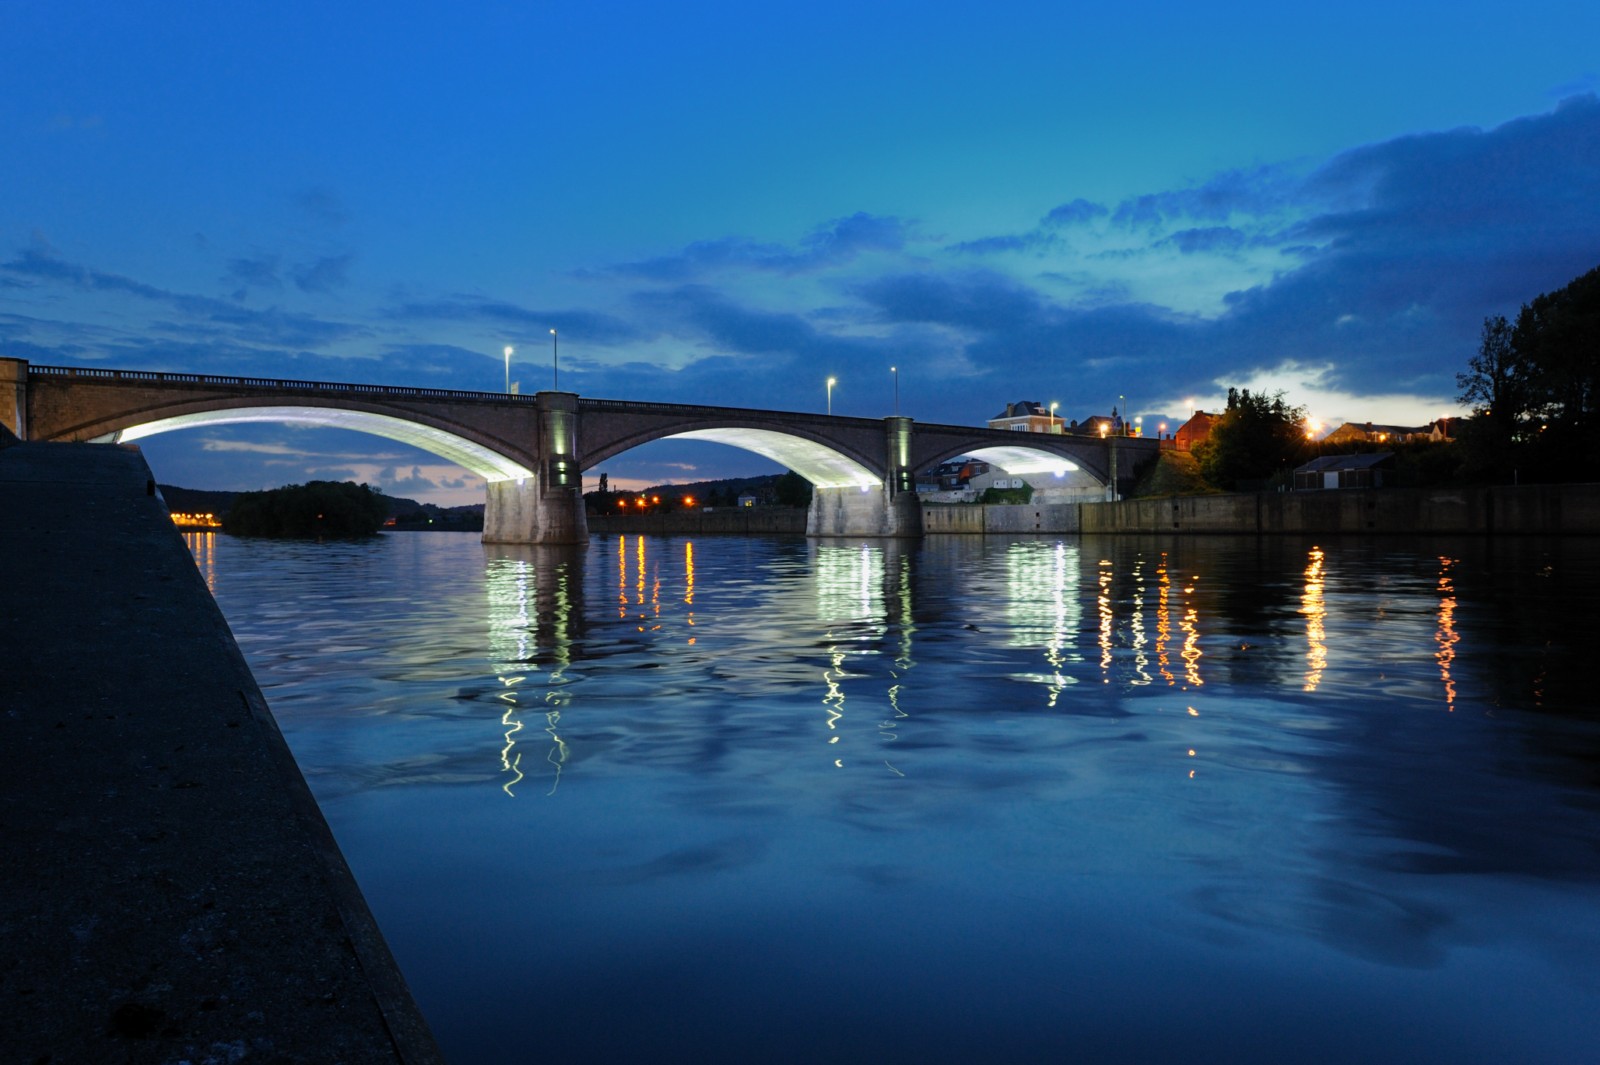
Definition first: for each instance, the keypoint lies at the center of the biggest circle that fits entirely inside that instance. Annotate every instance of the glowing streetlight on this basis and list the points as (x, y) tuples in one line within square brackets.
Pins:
[(831, 382), (1053, 407), (895, 372), (509, 350), (555, 363)]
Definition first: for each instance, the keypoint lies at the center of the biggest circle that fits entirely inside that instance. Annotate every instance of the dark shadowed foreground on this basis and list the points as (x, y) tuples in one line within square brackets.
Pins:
[(171, 892)]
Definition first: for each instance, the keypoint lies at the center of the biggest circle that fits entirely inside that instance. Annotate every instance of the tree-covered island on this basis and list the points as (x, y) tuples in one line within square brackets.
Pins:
[(313, 510)]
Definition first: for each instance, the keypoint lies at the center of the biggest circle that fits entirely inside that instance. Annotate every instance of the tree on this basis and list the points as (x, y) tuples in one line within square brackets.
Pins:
[(1256, 438), (792, 490), (1534, 387), (1559, 335), (1499, 385)]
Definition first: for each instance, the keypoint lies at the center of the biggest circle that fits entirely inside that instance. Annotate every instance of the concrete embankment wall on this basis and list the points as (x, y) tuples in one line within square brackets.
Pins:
[(994, 518), (733, 520), (1502, 511), (1565, 509), (171, 891), (1550, 509)]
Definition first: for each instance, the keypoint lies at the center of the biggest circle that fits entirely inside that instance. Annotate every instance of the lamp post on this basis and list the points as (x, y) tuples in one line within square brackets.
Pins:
[(831, 382), (894, 371), (555, 363), (1053, 407), (509, 350)]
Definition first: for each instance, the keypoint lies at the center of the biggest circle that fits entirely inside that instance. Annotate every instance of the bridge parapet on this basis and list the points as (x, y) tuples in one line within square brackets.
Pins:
[(95, 374)]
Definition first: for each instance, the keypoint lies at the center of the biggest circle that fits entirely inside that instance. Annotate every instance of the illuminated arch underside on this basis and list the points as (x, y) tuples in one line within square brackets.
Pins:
[(822, 466), (488, 464), (1025, 460)]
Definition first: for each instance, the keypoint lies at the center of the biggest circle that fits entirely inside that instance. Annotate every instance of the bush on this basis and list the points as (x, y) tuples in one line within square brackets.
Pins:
[(1007, 495)]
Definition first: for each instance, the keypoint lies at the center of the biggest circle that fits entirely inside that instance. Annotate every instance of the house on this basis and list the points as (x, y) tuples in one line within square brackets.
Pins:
[(1026, 416), (1367, 433), (1194, 431), (953, 475), (1344, 471)]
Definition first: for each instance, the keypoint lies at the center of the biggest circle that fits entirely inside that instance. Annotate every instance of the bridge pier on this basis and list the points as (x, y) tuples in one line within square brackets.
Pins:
[(546, 508), (891, 509), (853, 511)]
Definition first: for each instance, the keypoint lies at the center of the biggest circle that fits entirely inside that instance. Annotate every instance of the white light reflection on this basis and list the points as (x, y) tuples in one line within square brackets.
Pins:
[(1042, 606), (532, 610), (1141, 659), (850, 604), (507, 583), (899, 601)]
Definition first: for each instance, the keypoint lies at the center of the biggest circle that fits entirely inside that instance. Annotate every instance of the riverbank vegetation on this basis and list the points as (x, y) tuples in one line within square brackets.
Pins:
[(1534, 389), (313, 510)]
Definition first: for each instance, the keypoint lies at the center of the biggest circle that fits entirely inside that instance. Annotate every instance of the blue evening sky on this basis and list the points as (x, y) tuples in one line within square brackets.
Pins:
[(729, 203)]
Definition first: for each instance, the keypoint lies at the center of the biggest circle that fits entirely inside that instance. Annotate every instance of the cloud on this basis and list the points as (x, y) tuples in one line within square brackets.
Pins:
[(323, 275), (515, 321), (1250, 192), (1209, 239), (201, 315), (1076, 212), (258, 272), (831, 244), (322, 204), (1373, 268)]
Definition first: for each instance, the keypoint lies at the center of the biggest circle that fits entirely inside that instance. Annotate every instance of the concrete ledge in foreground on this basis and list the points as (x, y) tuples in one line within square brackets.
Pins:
[(170, 891)]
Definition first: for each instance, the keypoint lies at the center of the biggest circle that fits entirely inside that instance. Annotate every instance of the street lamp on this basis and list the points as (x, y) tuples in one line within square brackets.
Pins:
[(1053, 407), (895, 371), (555, 363), (509, 350), (831, 382)]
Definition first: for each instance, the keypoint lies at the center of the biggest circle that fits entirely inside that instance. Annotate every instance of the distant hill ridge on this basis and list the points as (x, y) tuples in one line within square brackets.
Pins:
[(211, 501), (218, 502)]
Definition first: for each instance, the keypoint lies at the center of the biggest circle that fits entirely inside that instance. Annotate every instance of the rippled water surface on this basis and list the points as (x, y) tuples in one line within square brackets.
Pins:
[(1106, 800)]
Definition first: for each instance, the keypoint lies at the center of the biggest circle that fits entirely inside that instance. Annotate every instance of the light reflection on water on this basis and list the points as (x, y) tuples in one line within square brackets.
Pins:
[(1122, 799)]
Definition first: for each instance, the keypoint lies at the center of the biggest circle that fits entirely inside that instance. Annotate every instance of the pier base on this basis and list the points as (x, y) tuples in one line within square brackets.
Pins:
[(519, 512), (853, 512)]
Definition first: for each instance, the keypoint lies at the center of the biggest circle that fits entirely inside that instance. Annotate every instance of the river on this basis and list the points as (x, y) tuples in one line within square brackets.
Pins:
[(1111, 800)]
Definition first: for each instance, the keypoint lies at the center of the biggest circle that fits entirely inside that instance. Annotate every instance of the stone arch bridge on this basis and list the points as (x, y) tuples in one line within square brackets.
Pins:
[(533, 450)]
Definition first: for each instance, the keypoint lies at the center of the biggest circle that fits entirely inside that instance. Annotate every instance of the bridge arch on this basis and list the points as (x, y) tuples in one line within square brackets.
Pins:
[(826, 463), (1024, 460), (490, 463)]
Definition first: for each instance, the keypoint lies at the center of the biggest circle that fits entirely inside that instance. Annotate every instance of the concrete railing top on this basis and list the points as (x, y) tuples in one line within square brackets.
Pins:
[(634, 406), (96, 374)]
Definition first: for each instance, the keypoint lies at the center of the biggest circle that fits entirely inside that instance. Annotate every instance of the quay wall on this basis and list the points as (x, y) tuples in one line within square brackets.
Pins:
[(1502, 510), (1000, 518)]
